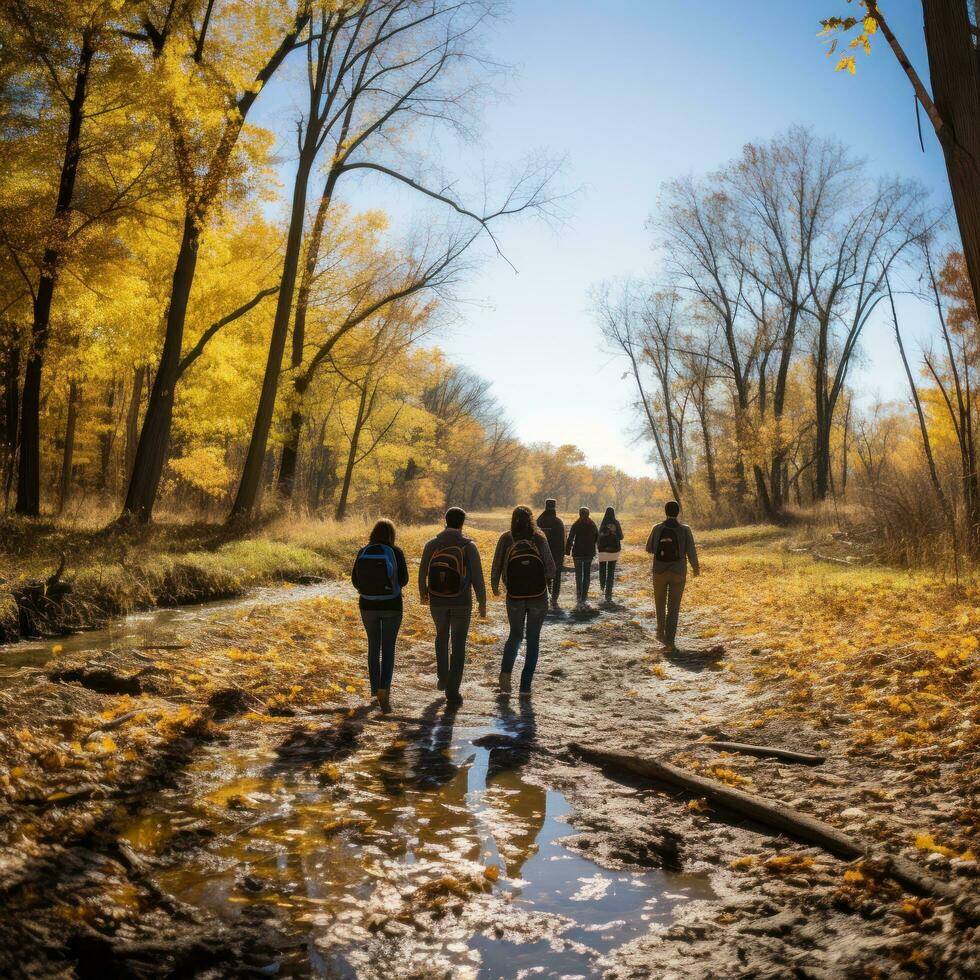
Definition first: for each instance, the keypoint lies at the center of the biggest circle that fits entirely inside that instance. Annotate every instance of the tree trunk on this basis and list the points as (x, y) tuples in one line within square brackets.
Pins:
[(74, 396), (924, 432), (154, 439), (133, 418), (290, 450), (11, 396), (248, 489), (29, 468), (107, 437), (355, 439), (954, 70)]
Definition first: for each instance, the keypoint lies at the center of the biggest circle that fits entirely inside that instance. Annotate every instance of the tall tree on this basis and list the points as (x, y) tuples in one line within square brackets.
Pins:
[(218, 92), (388, 64)]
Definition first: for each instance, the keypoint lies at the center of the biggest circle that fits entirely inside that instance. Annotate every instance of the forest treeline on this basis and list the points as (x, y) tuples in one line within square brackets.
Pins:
[(167, 338), (743, 347)]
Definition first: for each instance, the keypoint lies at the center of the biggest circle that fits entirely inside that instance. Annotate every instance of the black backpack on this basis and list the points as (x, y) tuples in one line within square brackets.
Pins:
[(446, 575), (524, 572), (608, 539), (669, 545), (377, 573)]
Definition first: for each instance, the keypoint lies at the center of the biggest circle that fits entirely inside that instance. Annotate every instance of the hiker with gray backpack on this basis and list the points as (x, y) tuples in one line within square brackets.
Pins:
[(449, 574), (672, 546), (523, 562), (379, 575)]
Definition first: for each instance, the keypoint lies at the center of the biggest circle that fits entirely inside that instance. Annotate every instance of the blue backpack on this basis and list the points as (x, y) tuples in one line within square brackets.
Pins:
[(377, 573)]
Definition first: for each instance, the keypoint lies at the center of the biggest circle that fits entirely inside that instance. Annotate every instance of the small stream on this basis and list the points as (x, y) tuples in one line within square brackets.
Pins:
[(352, 851), (143, 629)]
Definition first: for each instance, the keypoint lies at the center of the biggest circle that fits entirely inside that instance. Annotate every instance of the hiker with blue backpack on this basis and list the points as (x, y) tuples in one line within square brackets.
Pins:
[(524, 563), (379, 575), (450, 573)]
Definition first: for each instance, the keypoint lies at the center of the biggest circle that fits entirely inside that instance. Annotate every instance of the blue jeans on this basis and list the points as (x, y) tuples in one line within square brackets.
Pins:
[(382, 627), (519, 613), (452, 624), (583, 578)]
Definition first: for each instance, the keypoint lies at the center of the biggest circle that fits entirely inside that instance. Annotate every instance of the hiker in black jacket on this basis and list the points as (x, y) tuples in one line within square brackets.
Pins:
[(554, 530), (379, 575), (523, 562), (610, 545), (581, 545)]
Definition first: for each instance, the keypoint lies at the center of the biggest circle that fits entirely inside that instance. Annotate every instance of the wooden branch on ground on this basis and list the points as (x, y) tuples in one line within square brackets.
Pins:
[(791, 822), (108, 726), (765, 751)]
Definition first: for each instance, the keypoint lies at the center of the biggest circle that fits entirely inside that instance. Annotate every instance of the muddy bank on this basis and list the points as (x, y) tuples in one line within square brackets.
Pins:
[(247, 812), (54, 582)]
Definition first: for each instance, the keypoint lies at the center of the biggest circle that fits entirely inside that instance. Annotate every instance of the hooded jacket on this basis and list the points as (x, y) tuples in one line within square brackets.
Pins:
[(554, 530), (473, 581), (582, 539), (504, 544)]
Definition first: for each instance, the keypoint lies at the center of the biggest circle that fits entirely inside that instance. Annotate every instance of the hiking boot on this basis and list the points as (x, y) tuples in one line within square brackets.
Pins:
[(441, 684), (454, 699), (383, 703), (504, 682), (669, 646)]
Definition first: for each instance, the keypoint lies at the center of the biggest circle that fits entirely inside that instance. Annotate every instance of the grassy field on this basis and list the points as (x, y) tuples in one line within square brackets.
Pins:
[(113, 571)]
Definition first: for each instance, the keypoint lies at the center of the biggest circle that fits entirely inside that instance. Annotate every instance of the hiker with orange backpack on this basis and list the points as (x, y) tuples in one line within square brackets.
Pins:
[(449, 574), (379, 574), (524, 563)]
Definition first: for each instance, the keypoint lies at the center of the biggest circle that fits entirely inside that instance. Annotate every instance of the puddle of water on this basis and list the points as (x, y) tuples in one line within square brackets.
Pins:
[(152, 626), (357, 850)]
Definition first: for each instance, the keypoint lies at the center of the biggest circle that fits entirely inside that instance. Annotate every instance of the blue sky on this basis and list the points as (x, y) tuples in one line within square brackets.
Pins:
[(632, 93)]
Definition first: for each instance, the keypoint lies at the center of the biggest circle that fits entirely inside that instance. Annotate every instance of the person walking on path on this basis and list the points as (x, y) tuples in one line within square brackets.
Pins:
[(672, 546), (554, 530), (581, 545), (379, 575), (524, 563), (610, 545), (449, 574)]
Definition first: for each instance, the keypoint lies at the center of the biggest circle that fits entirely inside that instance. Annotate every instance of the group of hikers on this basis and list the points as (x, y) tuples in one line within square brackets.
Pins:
[(527, 563)]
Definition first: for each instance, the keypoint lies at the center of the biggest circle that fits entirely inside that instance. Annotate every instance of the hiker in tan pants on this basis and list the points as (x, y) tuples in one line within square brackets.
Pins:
[(672, 546)]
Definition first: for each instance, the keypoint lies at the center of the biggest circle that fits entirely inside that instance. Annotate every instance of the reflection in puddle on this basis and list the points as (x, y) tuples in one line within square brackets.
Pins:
[(379, 859)]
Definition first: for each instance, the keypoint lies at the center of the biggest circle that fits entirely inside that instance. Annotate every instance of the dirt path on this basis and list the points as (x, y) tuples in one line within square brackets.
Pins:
[(320, 838)]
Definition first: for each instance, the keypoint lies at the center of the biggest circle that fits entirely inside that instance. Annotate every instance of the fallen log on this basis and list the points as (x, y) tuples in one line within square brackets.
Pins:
[(765, 752), (791, 822)]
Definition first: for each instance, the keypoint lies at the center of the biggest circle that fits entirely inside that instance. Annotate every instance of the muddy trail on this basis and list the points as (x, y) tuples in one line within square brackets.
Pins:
[(431, 842)]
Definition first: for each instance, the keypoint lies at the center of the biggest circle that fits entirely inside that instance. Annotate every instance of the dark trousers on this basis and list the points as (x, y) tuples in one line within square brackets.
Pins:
[(526, 619), (668, 587), (583, 578), (607, 576), (555, 583), (452, 626), (382, 627)]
